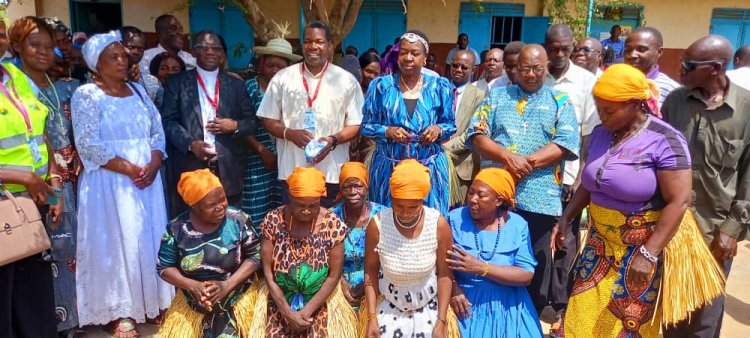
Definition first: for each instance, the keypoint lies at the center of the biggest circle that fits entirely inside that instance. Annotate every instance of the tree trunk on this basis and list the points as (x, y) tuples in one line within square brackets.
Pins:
[(341, 16)]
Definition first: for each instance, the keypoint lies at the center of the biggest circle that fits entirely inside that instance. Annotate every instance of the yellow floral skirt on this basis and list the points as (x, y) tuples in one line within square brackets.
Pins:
[(602, 304)]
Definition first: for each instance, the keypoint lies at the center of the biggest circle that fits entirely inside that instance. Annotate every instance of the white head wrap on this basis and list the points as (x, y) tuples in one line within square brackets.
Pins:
[(411, 37), (94, 47)]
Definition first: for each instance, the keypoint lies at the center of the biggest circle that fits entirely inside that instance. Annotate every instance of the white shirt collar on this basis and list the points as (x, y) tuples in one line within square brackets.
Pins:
[(208, 76), (573, 74), (462, 88)]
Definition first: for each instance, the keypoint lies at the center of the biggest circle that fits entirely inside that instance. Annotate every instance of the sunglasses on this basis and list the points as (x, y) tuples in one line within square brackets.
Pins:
[(217, 48), (584, 50), (458, 65), (692, 65)]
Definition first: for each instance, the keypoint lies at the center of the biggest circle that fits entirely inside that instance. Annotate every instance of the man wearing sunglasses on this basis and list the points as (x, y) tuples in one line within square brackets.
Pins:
[(587, 54), (467, 98), (713, 113), (643, 48), (741, 72)]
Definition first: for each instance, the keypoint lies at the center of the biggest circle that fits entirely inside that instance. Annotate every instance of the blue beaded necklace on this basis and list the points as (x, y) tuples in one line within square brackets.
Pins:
[(497, 241)]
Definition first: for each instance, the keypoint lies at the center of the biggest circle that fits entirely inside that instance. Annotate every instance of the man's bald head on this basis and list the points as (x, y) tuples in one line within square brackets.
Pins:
[(462, 66), (592, 43), (587, 54), (710, 47), (742, 57), (532, 67), (466, 54), (493, 63)]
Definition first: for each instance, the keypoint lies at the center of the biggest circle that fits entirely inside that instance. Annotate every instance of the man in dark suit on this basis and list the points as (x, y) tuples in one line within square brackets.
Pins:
[(206, 114), (467, 98)]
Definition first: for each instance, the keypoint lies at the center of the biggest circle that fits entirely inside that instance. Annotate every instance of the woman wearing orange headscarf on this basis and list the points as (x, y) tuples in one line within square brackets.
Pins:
[(637, 185), (492, 261), (302, 255), (356, 212), (209, 254), (409, 245)]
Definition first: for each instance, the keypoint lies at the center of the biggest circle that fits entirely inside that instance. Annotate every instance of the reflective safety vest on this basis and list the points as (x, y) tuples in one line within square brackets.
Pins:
[(15, 140)]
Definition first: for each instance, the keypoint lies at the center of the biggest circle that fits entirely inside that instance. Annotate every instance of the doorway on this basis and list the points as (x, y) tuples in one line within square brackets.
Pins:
[(95, 16)]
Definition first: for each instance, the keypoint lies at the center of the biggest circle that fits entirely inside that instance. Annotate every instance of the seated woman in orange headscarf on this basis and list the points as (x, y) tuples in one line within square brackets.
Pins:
[(302, 255), (492, 261), (356, 211), (209, 253), (409, 245)]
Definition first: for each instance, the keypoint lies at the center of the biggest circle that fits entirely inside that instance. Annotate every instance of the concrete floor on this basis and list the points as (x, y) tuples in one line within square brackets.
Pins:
[(736, 316)]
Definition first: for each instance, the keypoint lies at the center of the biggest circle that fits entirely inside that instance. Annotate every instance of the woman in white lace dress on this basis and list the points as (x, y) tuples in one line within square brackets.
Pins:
[(122, 212), (409, 246)]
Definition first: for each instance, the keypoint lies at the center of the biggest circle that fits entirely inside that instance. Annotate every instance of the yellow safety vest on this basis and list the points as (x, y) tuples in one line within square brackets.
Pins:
[(15, 140)]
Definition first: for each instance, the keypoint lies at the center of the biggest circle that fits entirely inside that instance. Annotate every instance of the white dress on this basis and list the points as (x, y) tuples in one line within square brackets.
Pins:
[(409, 286), (119, 225)]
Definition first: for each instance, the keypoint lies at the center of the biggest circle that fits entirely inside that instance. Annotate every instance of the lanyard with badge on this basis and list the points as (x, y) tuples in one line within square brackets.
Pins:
[(15, 99), (310, 121)]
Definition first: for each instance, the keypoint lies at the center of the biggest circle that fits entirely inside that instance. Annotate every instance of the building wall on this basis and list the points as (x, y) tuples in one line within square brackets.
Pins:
[(18, 10), (54, 8)]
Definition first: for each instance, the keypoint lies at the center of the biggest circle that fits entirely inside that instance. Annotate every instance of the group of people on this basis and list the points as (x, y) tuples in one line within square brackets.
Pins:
[(375, 198)]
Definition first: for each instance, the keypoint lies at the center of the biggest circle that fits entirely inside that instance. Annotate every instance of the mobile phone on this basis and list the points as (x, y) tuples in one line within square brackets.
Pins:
[(54, 196)]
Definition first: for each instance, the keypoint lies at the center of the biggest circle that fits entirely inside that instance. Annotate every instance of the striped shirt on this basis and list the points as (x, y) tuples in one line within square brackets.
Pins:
[(665, 83)]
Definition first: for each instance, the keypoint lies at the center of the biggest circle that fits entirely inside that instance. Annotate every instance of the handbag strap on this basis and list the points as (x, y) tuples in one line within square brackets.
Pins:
[(10, 197)]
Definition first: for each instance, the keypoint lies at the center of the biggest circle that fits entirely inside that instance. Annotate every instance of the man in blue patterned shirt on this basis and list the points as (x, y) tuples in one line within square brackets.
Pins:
[(530, 129)]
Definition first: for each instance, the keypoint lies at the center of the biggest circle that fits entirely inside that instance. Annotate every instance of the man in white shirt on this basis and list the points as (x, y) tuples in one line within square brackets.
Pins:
[(169, 35), (577, 83), (493, 65), (587, 54), (643, 48), (461, 44), (740, 75), (334, 99), (206, 115), (133, 40)]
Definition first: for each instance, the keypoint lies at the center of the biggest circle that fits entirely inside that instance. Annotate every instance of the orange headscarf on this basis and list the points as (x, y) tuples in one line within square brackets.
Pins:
[(354, 169), (22, 27), (500, 181), (306, 182), (622, 82), (410, 180), (195, 185)]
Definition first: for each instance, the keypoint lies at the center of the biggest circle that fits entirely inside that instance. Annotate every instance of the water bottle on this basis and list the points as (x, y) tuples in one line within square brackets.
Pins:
[(310, 122)]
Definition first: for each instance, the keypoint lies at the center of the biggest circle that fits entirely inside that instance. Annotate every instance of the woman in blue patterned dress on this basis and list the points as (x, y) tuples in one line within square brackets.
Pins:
[(262, 192), (356, 212), (408, 114)]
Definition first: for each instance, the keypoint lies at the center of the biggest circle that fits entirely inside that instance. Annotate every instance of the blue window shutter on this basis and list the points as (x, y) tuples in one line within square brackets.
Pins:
[(534, 28)]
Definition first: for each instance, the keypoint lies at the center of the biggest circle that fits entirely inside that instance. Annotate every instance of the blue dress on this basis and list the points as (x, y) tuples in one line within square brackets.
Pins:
[(354, 246), (384, 107), (496, 310)]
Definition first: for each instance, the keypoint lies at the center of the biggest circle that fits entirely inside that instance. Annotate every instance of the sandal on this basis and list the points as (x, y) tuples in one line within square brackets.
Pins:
[(123, 328)]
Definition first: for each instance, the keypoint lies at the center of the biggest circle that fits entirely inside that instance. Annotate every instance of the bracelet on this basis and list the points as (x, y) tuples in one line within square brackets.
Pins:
[(285, 129), (55, 176), (644, 252), (442, 320), (371, 316), (335, 142), (486, 269)]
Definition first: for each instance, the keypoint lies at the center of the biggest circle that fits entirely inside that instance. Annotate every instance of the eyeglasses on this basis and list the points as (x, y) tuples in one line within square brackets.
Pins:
[(217, 48), (584, 50), (692, 65), (458, 65), (538, 70)]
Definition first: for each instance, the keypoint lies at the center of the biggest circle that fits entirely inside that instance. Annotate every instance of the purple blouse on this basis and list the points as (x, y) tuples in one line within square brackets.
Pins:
[(624, 178)]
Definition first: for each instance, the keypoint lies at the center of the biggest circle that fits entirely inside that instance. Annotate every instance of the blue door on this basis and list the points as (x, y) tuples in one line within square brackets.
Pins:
[(733, 24), (379, 22), (226, 20), (534, 28), (478, 24), (629, 17)]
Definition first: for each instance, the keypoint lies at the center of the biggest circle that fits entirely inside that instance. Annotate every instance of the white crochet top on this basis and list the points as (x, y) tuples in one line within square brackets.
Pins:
[(407, 262)]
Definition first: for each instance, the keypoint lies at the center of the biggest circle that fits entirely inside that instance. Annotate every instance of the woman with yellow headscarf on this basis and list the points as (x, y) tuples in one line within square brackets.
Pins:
[(492, 261), (356, 211), (637, 185), (209, 253), (409, 245), (302, 255)]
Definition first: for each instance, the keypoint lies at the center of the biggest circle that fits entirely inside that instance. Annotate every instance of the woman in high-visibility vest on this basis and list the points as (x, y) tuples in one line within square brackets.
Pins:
[(26, 291)]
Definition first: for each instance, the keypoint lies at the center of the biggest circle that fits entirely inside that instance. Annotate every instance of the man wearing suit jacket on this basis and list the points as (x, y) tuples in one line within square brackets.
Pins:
[(467, 97), (206, 114)]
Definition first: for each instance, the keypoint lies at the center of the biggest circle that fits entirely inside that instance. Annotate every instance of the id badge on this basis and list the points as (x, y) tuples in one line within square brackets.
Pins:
[(35, 153)]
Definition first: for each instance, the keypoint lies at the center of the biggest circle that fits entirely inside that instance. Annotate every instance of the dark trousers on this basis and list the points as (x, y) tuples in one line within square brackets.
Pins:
[(540, 231), (326, 202), (561, 283), (703, 323), (27, 299)]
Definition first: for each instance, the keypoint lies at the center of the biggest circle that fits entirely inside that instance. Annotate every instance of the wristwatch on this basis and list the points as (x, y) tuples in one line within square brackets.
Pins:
[(335, 142)]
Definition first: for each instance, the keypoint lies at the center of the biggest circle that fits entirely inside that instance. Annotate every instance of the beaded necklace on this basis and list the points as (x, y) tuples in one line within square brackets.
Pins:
[(494, 248)]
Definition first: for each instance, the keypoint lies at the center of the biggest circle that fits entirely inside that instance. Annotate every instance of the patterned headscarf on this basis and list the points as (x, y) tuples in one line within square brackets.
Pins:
[(94, 47), (57, 25)]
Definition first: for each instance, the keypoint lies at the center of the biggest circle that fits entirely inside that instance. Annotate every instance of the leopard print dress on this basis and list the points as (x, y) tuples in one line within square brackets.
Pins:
[(289, 253)]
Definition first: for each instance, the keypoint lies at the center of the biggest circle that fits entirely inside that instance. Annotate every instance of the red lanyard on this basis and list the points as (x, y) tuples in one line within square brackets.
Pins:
[(15, 99), (310, 100), (215, 101)]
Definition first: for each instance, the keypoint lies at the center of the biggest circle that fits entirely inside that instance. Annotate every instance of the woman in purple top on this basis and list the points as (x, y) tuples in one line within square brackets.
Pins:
[(637, 184)]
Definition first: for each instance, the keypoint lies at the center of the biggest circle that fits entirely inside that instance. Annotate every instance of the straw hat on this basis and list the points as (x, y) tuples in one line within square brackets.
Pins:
[(278, 47)]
